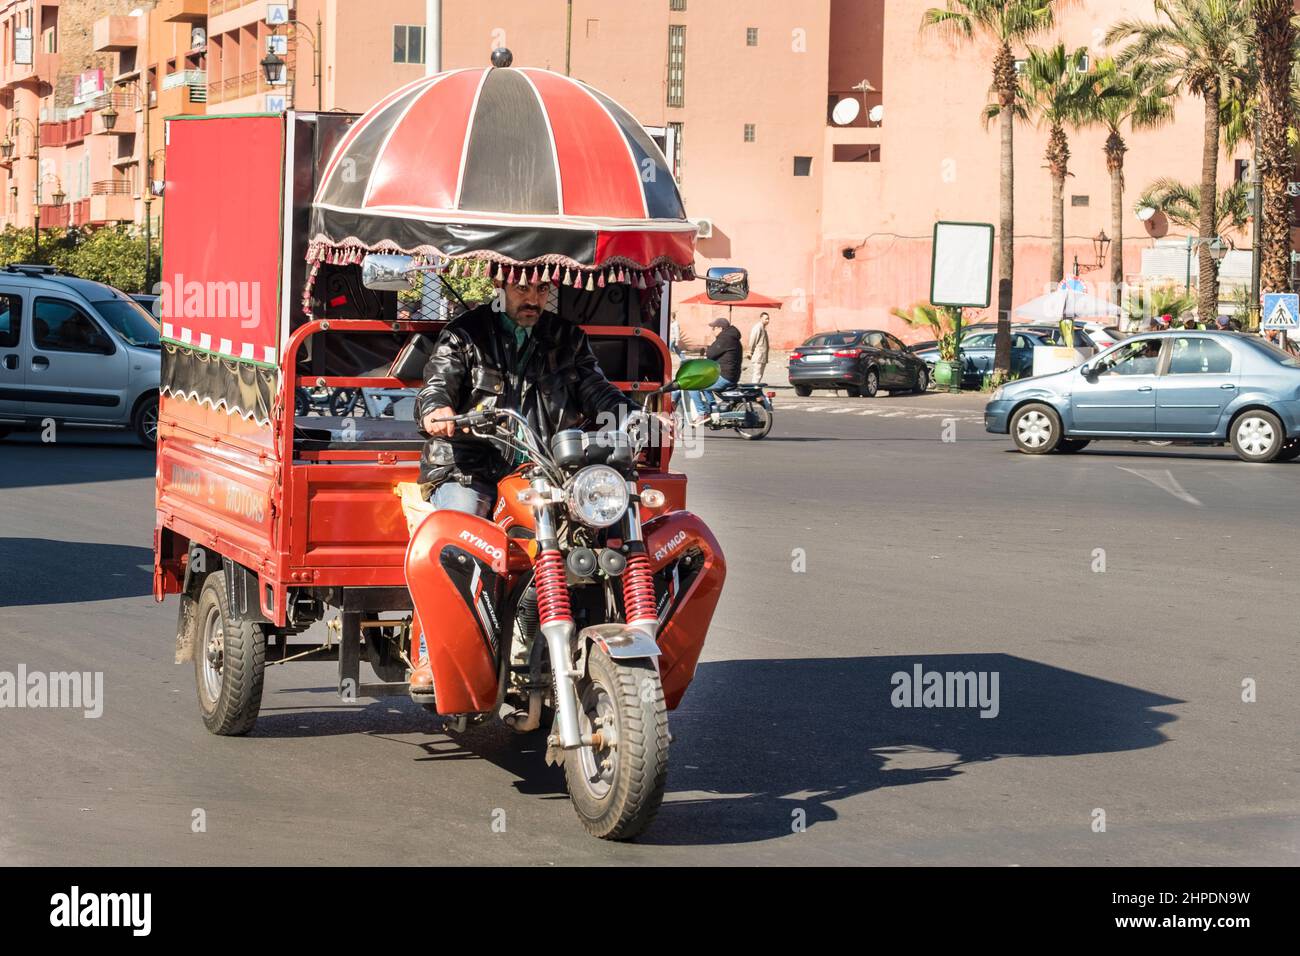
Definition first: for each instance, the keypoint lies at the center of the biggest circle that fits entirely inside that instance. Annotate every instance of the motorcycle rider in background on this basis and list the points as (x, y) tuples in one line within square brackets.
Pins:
[(725, 349)]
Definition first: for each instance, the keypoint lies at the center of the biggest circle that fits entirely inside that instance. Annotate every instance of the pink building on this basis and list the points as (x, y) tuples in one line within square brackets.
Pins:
[(748, 90)]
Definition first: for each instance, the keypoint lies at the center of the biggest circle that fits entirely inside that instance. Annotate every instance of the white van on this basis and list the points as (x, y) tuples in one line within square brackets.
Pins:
[(76, 352)]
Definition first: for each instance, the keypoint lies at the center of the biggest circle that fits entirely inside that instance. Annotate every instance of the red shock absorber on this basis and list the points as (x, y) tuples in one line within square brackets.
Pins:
[(552, 588), (639, 589)]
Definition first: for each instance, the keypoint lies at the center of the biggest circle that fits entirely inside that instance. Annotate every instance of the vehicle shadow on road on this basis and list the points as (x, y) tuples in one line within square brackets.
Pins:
[(46, 571), (28, 462), (765, 746)]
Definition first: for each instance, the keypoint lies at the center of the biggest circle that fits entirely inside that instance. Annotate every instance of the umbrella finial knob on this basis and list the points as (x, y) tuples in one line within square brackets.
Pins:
[(502, 57)]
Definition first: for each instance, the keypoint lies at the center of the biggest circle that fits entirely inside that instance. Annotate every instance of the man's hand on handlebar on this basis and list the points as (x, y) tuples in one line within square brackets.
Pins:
[(440, 423)]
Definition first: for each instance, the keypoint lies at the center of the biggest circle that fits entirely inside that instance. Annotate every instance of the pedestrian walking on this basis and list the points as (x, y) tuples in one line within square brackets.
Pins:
[(675, 339), (758, 348)]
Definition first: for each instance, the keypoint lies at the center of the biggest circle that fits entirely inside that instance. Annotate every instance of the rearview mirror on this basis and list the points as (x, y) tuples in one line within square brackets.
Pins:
[(726, 284), (387, 272), (697, 374)]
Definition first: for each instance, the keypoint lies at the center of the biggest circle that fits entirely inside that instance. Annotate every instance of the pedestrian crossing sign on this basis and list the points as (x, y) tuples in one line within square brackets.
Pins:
[(1281, 311)]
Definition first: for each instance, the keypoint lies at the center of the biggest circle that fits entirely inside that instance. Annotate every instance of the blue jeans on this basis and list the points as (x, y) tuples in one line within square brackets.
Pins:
[(699, 400), (476, 498)]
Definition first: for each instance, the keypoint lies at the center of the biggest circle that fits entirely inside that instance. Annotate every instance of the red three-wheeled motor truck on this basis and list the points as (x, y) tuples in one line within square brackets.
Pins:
[(310, 261)]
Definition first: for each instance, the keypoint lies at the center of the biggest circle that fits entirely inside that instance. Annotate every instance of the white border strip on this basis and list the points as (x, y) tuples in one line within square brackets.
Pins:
[(469, 130)]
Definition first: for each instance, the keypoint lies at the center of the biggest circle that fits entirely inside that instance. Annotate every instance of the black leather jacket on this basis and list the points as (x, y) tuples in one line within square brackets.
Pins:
[(475, 361), (726, 350)]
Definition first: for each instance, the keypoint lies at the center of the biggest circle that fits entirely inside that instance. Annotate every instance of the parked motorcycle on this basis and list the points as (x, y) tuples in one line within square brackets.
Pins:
[(565, 601), (745, 409)]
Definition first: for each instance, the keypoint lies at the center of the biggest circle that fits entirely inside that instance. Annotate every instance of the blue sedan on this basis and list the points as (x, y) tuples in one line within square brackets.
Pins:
[(1184, 386)]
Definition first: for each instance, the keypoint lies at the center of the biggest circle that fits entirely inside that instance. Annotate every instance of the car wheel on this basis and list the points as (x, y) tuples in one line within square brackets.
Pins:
[(145, 422), (1036, 429), (922, 380), (803, 391), (853, 391), (870, 384), (1258, 436), (1069, 445)]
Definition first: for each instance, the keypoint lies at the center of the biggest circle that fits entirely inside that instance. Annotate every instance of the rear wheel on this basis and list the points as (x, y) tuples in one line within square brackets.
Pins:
[(229, 660), (340, 401), (762, 415), (1258, 436), (617, 787), (803, 391), (922, 379), (1036, 429)]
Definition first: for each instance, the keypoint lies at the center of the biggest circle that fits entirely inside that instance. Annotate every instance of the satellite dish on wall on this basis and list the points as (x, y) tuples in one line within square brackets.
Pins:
[(877, 113), (1145, 213), (846, 111)]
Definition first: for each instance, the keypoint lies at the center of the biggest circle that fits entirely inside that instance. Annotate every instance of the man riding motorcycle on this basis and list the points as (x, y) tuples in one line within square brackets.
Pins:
[(509, 353)]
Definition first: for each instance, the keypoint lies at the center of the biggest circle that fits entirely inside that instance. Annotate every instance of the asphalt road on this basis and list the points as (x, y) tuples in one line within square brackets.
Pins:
[(1118, 690)]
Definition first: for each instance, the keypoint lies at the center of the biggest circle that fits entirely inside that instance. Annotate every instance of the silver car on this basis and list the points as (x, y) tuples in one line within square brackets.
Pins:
[(75, 352), (1185, 387)]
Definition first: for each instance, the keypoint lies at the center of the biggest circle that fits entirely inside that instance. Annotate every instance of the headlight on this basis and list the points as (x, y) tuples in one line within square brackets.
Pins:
[(597, 496), (998, 393)]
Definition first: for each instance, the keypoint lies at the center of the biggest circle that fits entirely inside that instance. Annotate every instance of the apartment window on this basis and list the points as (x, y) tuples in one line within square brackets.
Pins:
[(1078, 200), (749, 132), (677, 66), (751, 36), (678, 5), (676, 157), (855, 153), (803, 165), (408, 44)]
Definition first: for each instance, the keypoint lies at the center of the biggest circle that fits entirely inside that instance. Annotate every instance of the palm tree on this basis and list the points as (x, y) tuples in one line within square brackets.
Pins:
[(1203, 46), (1181, 203), (1057, 85), (1275, 41), (1006, 22), (1116, 97)]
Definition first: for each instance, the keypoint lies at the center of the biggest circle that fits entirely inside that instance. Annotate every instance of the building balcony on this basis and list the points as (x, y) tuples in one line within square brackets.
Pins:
[(55, 217), (113, 34), (111, 207), (183, 11), (183, 100), (44, 68)]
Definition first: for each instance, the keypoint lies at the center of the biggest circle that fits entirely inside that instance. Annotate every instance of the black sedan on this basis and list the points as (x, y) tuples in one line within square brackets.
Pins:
[(860, 361)]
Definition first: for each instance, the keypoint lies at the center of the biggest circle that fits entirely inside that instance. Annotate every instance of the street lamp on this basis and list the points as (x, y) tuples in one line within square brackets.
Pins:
[(274, 66), (1100, 246), (7, 149), (109, 117), (1217, 249)]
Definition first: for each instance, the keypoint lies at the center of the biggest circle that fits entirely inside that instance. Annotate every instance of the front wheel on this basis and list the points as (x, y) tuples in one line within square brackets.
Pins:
[(922, 380), (1036, 429), (145, 422), (803, 391), (617, 787), (764, 417), (870, 384)]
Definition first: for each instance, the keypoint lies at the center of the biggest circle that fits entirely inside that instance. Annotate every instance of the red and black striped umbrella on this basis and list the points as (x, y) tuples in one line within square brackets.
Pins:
[(530, 171)]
